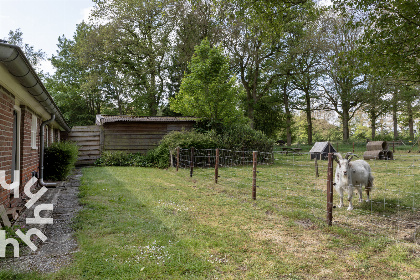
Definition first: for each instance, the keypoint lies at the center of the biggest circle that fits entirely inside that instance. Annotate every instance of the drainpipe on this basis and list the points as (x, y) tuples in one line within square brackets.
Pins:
[(41, 155)]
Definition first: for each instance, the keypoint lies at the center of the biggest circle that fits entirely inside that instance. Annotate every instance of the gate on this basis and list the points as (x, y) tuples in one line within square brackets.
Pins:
[(88, 138)]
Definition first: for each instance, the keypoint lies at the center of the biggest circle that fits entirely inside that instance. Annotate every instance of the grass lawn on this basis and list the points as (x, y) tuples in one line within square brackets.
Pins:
[(145, 223)]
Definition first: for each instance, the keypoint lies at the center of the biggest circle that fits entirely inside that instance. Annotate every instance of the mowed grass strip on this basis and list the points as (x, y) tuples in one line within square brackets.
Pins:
[(144, 223)]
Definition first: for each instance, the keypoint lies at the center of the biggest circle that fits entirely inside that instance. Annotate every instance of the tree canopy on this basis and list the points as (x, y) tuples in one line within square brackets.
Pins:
[(209, 91), (284, 67)]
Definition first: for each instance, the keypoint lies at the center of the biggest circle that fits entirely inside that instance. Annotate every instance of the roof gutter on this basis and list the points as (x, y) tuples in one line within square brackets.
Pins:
[(18, 65)]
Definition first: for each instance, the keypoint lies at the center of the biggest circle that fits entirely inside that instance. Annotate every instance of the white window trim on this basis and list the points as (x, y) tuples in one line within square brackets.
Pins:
[(34, 130)]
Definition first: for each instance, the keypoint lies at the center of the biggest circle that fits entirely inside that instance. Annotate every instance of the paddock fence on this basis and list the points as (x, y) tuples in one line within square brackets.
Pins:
[(206, 158), (295, 184)]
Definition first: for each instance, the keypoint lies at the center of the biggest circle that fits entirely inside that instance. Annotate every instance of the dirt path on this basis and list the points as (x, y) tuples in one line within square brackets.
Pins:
[(56, 252)]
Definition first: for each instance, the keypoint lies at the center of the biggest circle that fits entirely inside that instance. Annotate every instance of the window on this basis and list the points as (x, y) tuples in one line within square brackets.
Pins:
[(34, 128)]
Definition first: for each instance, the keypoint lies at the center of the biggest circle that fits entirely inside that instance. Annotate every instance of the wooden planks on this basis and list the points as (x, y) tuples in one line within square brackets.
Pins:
[(133, 137), (88, 140), (130, 137)]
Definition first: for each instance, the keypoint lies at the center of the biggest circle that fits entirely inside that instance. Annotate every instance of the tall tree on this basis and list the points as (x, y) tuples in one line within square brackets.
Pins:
[(410, 107), (254, 33), (209, 90), (78, 105), (194, 22), (307, 64), (136, 35), (375, 103), (35, 57), (343, 82), (392, 32)]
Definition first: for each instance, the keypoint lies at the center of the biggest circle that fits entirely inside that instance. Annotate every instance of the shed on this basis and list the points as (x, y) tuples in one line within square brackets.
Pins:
[(135, 134), (321, 149)]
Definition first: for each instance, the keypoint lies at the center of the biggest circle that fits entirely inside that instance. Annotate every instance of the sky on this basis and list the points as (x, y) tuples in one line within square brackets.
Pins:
[(43, 21)]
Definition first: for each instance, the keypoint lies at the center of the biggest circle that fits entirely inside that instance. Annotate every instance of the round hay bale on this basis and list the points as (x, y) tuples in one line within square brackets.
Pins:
[(377, 145), (378, 155), (374, 155)]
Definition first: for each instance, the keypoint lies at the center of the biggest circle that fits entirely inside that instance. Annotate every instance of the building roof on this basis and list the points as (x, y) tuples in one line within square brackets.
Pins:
[(15, 61), (102, 119), (321, 147)]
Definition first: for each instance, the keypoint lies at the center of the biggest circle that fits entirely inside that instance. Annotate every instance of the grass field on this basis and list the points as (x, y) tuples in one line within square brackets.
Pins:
[(145, 223)]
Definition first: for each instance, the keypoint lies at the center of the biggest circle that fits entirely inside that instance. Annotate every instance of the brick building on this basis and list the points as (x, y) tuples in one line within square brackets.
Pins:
[(25, 107)]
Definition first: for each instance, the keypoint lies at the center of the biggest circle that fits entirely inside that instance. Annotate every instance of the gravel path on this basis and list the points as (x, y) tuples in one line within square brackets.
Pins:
[(56, 252)]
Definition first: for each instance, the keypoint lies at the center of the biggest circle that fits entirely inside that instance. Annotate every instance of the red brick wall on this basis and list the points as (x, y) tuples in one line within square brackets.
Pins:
[(29, 158), (7, 102)]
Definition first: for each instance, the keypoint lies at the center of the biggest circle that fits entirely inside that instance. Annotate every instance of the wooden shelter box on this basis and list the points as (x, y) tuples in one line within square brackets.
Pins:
[(321, 149)]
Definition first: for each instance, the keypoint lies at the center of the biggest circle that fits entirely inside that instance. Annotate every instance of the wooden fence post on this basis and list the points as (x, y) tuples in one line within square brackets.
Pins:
[(316, 166), (192, 162), (254, 175), (216, 166), (330, 189), (177, 158)]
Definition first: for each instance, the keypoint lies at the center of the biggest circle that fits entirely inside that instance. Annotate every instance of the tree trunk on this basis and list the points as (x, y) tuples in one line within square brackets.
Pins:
[(373, 129), (308, 117), (346, 131), (394, 115), (288, 114), (395, 121), (251, 113), (152, 95), (410, 120)]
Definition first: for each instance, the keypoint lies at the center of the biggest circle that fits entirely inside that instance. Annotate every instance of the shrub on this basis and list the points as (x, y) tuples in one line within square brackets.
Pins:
[(243, 137), (236, 137), (188, 139), (159, 157), (119, 158), (59, 160)]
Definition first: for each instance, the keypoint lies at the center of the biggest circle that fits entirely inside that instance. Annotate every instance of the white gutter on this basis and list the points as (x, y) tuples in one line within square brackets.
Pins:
[(17, 64)]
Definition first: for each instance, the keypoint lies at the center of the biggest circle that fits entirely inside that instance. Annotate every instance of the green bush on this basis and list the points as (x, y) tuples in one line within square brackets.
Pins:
[(59, 160), (119, 158), (244, 138), (159, 157), (237, 137)]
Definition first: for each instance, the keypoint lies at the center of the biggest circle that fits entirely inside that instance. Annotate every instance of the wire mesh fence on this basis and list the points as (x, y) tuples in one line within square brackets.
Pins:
[(205, 158), (289, 183)]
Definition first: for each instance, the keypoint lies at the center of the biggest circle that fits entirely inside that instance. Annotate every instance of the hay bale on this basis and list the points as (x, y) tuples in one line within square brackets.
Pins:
[(377, 146), (378, 155)]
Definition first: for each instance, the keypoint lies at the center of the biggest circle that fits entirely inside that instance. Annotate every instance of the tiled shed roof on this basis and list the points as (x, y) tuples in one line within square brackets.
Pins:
[(102, 119)]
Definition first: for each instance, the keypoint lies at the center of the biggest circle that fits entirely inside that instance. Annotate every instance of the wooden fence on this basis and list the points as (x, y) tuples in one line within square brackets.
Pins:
[(88, 138)]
